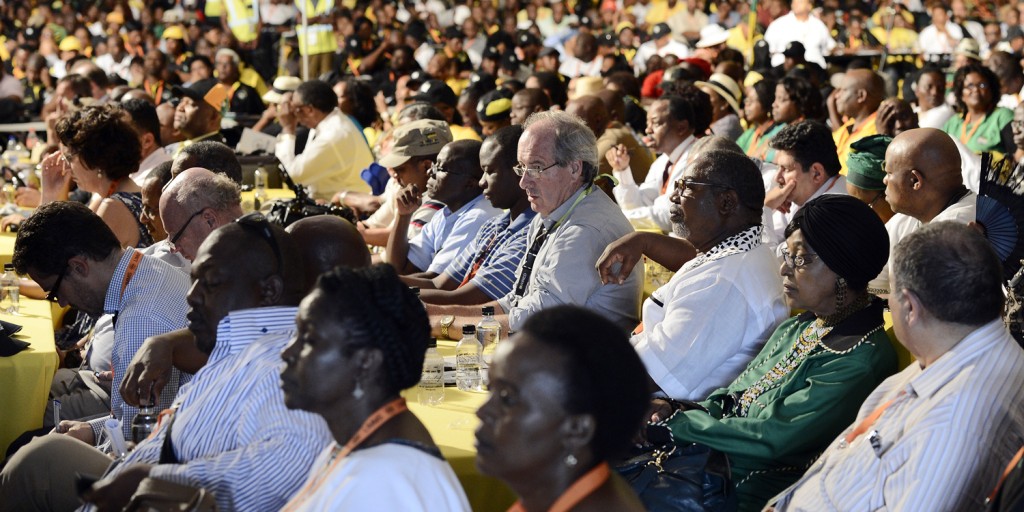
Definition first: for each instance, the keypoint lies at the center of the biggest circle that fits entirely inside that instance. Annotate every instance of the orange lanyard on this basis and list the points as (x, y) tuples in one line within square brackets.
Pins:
[(374, 422), (129, 273), (576, 492), (964, 134), (869, 421), (1006, 472), (480, 258)]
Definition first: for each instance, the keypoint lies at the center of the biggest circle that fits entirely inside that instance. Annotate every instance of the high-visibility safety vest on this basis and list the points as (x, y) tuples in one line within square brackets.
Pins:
[(243, 19), (319, 38), (214, 8)]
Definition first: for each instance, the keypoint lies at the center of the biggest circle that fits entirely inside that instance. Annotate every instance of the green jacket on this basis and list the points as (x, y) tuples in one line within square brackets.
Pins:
[(789, 424)]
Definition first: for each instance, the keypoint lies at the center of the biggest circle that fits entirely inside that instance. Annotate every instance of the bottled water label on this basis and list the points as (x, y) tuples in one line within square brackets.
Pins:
[(467, 367)]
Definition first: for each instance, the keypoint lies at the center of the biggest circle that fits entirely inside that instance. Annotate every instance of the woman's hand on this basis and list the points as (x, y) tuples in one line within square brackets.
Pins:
[(55, 178)]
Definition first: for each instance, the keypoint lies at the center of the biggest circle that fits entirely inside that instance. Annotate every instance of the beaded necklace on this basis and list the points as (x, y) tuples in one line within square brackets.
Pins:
[(806, 344)]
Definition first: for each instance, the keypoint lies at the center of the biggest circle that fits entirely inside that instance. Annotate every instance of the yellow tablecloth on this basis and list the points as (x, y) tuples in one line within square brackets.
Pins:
[(25, 377), (452, 424)]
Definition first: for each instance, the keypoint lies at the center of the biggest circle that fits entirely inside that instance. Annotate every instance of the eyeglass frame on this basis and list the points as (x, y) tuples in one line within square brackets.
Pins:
[(181, 231), (436, 168), (798, 261), (52, 294), (260, 222), (683, 183), (533, 171)]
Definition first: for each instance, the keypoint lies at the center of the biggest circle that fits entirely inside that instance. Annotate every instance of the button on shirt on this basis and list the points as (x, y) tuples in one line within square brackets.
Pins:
[(940, 445), (153, 303), (335, 153), (564, 271), (702, 328), (447, 233), (645, 205), (496, 276), (232, 432)]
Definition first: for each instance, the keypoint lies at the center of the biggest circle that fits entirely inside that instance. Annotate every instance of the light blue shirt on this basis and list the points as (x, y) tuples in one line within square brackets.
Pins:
[(447, 234)]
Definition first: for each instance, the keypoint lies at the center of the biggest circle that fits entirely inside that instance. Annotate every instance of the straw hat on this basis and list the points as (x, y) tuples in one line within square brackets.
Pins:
[(726, 87)]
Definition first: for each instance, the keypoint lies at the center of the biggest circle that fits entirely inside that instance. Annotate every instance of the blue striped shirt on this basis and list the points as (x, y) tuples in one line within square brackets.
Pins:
[(232, 432), (941, 444), (497, 273), (153, 303)]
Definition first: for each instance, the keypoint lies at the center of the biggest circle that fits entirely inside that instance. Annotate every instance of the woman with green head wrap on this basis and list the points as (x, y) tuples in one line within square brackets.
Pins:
[(865, 173)]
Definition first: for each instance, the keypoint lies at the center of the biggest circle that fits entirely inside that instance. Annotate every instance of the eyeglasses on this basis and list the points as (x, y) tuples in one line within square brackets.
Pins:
[(52, 295), (436, 169), (798, 261), (261, 225), (68, 156), (181, 230), (685, 183), (981, 85), (534, 171)]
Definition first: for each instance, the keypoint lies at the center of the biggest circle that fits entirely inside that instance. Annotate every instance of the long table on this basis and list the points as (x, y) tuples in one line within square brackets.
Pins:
[(452, 425), (25, 377)]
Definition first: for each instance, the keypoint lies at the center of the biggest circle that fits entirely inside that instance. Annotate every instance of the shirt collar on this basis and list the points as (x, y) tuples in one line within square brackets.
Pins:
[(465, 208), (240, 328), (112, 301), (981, 341), (521, 221), (682, 148), (736, 244)]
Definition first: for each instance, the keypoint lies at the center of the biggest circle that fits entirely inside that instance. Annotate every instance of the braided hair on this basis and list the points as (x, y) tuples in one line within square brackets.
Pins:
[(381, 312)]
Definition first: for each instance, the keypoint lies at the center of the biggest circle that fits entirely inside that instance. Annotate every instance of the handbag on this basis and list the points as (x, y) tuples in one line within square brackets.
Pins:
[(672, 476), (155, 495)]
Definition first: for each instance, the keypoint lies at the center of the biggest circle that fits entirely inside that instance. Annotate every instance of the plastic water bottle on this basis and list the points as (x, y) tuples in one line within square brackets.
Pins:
[(143, 423), (9, 302), (488, 331), (20, 156), (467, 360), (432, 378), (259, 194), (10, 156)]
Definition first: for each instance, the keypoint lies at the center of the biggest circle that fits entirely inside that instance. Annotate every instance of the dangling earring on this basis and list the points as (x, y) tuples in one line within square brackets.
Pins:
[(570, 460), (840, 293), (358, 392)]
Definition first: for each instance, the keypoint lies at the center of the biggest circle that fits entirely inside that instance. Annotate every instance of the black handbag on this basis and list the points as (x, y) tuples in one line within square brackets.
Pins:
[(674, 476)]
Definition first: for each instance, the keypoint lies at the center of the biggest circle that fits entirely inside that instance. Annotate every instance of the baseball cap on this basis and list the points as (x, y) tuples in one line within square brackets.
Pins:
[(174, 32), (209, 91), (795, 49), (660, 30), (494, 106), (436, 91), (70, 44), (418, 138), (547, 50)]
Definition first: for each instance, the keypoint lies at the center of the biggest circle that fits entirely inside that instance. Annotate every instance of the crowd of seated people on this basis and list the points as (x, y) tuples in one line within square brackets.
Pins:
[(756, 227)]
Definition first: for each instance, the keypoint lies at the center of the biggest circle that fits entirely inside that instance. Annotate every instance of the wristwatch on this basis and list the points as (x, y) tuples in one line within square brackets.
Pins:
[(446, 322)]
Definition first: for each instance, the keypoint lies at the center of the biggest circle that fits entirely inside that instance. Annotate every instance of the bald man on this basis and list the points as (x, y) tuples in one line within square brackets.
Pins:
[(923, 184), (325, 242), (857, 100)]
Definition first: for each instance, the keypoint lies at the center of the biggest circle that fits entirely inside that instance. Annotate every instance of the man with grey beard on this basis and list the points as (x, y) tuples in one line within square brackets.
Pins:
[(700, 329)]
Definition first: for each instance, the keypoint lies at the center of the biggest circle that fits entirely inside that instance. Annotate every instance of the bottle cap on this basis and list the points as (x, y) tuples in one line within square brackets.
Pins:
[(432, 343), (468, 329), (488, 310), (8, 267)]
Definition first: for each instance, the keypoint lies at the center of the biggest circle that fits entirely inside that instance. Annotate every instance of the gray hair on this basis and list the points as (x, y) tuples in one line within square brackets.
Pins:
[(205, 190), (573, 140), (952, 270), (228, 51)]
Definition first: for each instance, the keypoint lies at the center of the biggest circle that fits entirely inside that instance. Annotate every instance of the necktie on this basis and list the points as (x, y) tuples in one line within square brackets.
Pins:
[(531, 254), (665, 176)]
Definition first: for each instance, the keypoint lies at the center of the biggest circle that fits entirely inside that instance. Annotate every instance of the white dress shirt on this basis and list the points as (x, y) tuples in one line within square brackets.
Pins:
[(812, 33), (933, 44), (644, 205), (940, 445), (901, 225), (447, 233), (336, 152), (146, 166), (702, 328), (650, 49), (935, 117)]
